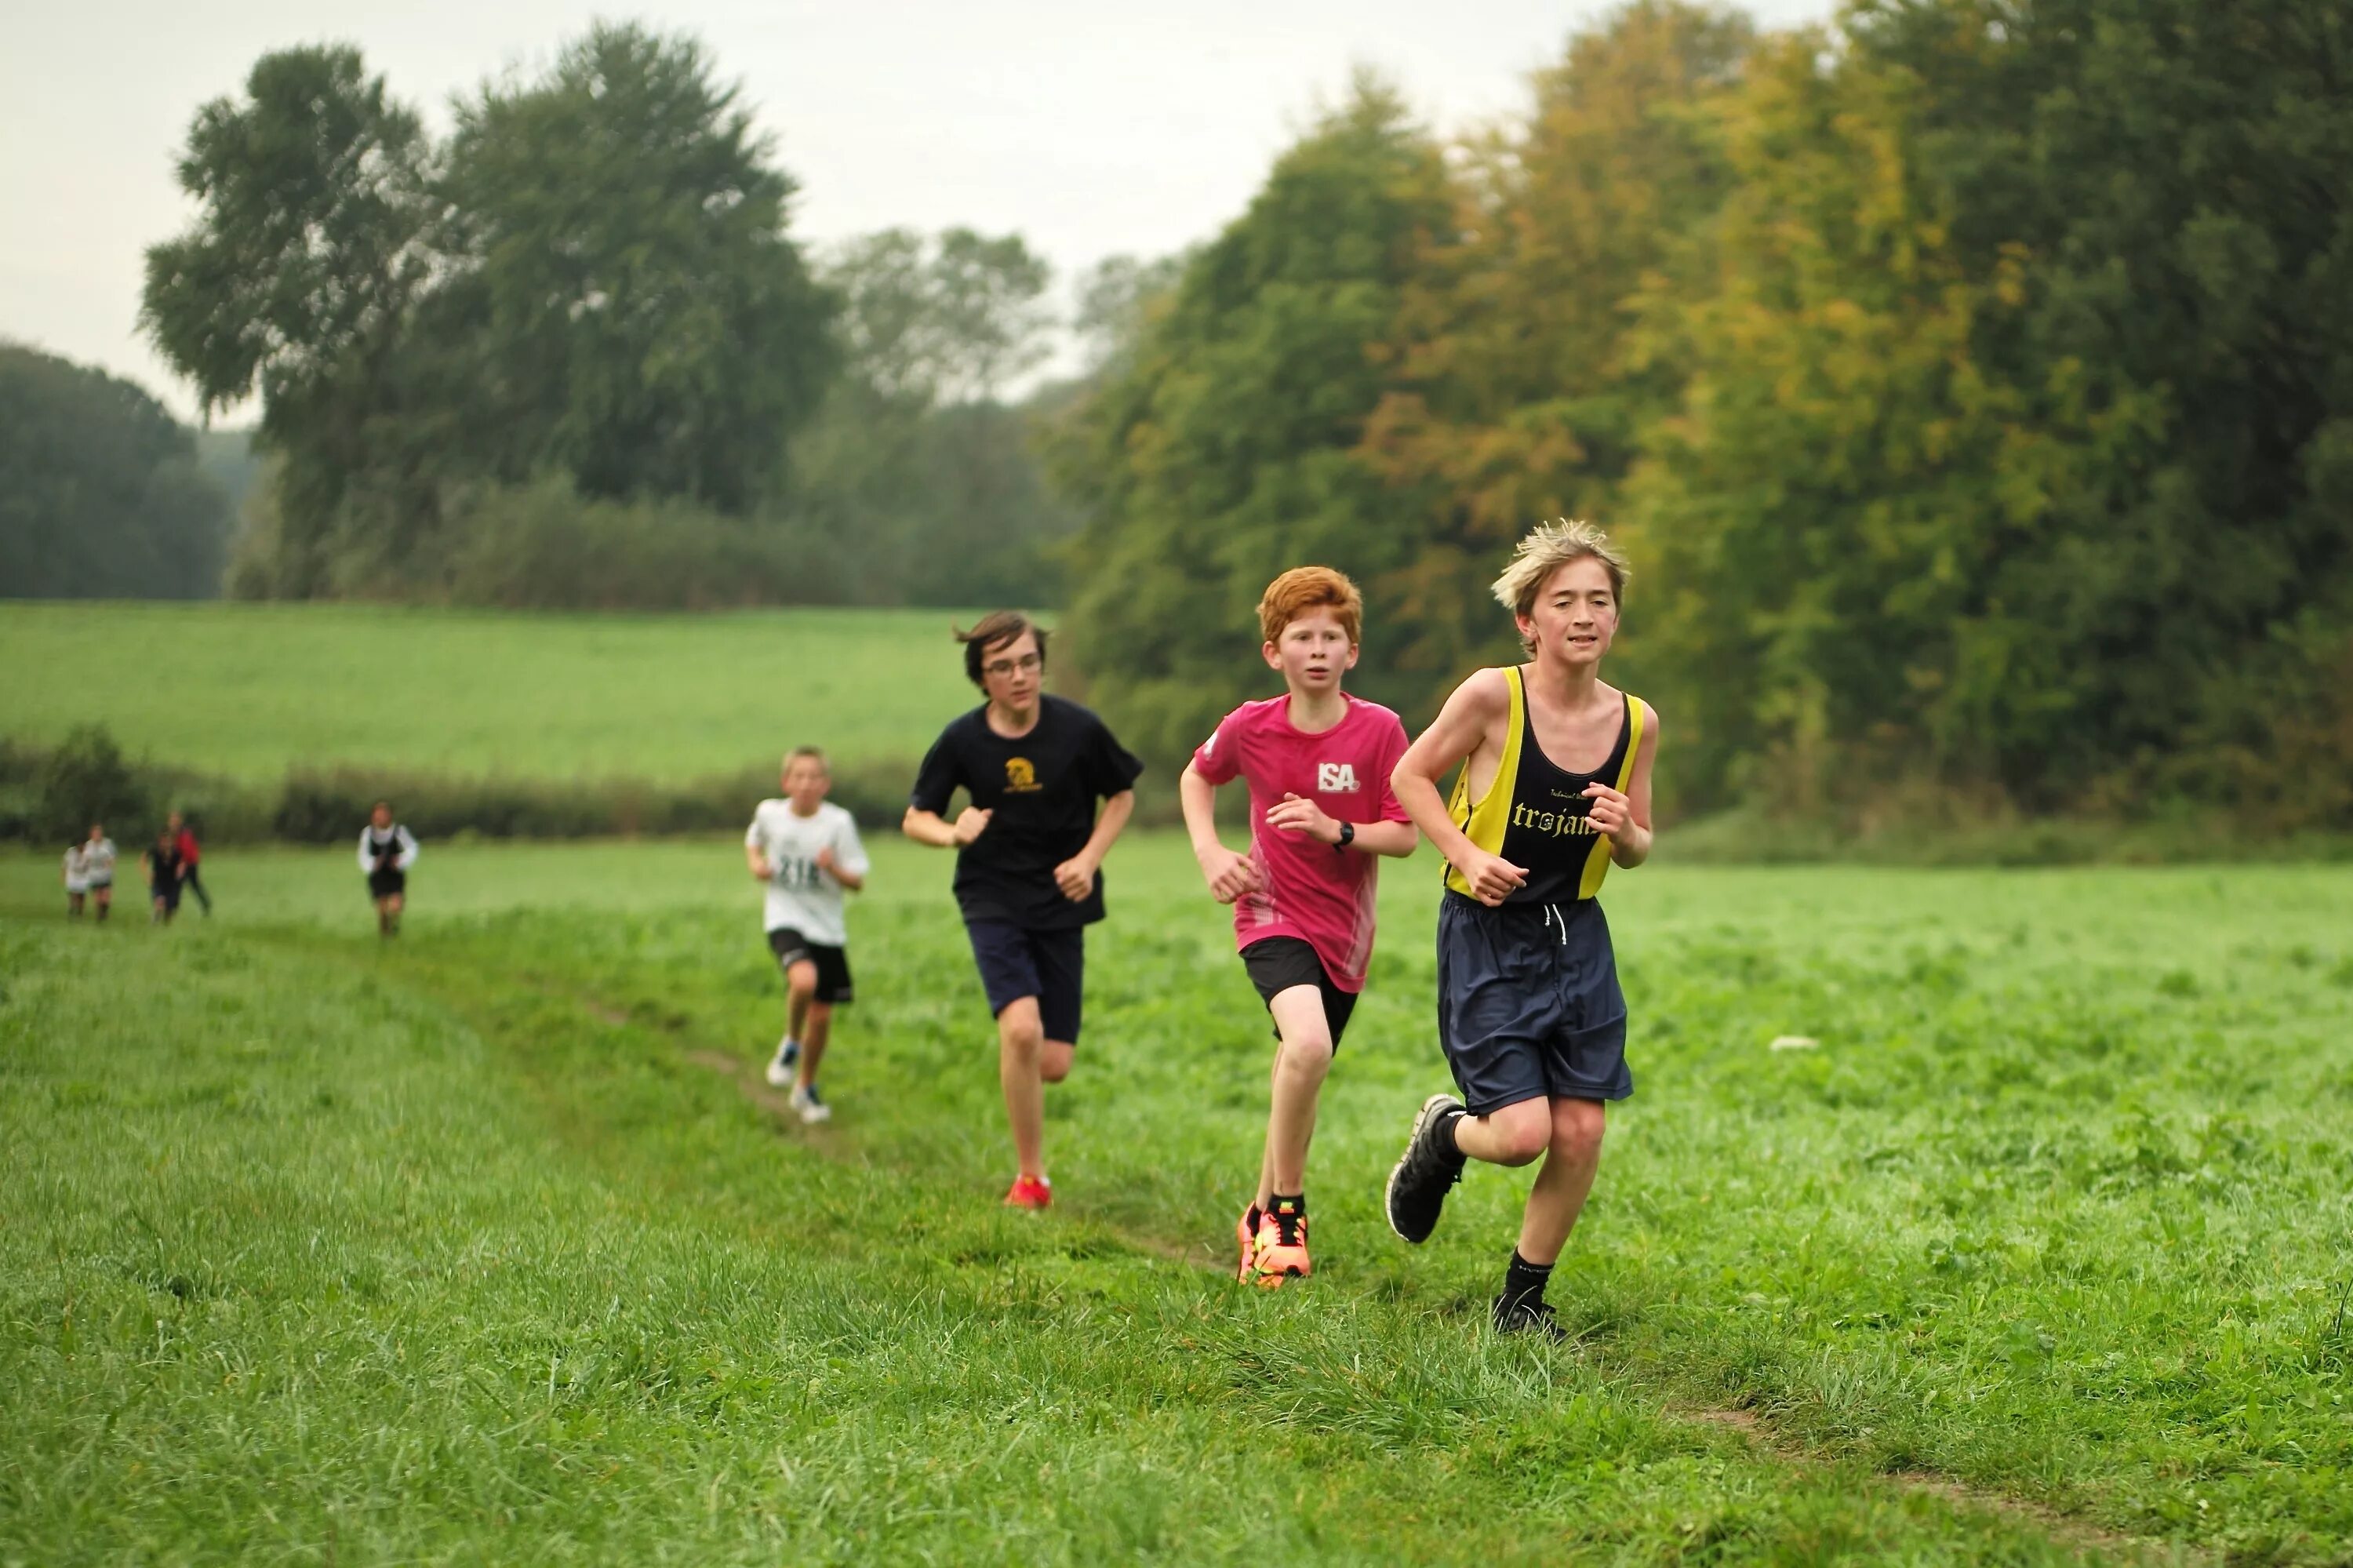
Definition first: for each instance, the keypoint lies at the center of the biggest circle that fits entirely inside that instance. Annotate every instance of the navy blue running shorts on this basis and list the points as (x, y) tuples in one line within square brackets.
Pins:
[(1049, 965), (1528, 1004)]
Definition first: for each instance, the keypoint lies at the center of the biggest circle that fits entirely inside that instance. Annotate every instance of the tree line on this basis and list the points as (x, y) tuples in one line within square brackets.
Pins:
[(1972, 382)]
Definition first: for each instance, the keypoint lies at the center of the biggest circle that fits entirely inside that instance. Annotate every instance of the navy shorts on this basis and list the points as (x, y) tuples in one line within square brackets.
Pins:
[(1528, 1004), (1278, 963), (1049, 965)]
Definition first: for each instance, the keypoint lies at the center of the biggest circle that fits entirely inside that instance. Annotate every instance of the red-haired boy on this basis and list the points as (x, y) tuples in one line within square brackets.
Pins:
[(1318, 761)]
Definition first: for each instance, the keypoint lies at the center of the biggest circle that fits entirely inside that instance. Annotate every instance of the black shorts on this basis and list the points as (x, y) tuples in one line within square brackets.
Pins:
[(1279, 963), (384, 883), (1049, 965), (832, 963), (1528, 1004), (167, 894)]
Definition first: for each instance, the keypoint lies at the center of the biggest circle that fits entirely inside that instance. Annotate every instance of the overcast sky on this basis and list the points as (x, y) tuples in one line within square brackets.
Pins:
[(1093, 129)]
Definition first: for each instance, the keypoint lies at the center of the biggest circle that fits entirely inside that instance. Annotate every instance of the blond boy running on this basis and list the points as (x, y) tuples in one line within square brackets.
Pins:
[(1556, 787), (1317, 762), (807, 853)]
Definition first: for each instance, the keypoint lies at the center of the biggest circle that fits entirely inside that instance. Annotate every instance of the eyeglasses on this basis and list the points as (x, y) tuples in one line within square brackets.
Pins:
[(1028, 664)]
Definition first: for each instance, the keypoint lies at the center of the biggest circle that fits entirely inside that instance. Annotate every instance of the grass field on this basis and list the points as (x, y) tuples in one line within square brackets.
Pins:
[(244, 690), (489, 1247)]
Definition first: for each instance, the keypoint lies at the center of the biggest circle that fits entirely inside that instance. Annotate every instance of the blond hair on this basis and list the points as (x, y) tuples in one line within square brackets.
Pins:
[(807, 753), (1548, 547)]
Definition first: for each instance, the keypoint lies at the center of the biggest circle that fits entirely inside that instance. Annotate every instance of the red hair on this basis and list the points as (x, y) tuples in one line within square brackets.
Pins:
[(1304, 588)]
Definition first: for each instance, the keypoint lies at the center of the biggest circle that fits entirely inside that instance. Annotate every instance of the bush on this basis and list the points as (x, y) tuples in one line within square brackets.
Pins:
[(85, 780)]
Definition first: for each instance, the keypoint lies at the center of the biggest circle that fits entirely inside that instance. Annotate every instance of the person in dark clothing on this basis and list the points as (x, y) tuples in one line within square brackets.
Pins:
[(1029, 849), (191, 851), (163, 869)]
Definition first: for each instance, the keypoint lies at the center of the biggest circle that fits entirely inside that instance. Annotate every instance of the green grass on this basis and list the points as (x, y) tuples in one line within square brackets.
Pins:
[(463, 1251), (245, 691)]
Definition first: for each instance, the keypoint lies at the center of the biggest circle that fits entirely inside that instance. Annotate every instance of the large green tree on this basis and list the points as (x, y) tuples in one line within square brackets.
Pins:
[(1225, 448), (592, 281), (100, 493), (296, 282), (631, 309)]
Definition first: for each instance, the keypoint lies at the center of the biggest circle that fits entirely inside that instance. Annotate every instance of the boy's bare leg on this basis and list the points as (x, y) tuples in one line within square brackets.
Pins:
[(1302, 1061), (1559, 1196), (814, 1028), (800, 992), (1021, 1047)]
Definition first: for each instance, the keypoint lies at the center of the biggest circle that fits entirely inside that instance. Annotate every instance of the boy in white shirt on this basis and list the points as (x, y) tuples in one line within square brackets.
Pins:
[(807, 852)]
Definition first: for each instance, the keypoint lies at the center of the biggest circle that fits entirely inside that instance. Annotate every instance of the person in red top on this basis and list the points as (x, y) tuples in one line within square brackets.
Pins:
[(190, 852), (1318, 761)]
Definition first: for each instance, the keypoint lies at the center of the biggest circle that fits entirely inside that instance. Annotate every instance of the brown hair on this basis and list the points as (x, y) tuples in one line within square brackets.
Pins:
[(1303, 588), (811, 753), (993, 631)]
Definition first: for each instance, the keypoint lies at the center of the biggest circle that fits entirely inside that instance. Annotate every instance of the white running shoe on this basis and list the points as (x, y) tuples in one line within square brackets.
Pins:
[(812, 1109), (780, 1067)]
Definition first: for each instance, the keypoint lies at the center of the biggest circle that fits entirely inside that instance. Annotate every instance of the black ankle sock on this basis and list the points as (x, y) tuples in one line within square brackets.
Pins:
[(1296, 1202), (1524, 1282), (1443, 1134)]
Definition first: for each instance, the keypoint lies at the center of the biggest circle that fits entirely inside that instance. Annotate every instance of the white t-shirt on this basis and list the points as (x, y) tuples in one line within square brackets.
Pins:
[(98, 861), (77, 870), (800, 895)]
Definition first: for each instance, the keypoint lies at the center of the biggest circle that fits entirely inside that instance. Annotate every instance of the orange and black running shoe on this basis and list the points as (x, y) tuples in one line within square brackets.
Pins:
[(1281, 1250)]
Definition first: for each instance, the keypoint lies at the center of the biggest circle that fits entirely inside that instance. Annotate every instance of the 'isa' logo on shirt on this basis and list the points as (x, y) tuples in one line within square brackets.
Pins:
[(1335, 777)]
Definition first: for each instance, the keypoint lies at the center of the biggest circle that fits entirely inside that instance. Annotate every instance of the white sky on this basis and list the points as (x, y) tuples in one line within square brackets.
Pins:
[(1091, 128)]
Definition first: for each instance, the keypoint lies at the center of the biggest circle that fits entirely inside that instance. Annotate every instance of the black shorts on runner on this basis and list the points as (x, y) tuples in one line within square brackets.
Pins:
[(168, 896), (384, 883), (1279, 963), (1049, 965), (1528, 1004), (832, 963)]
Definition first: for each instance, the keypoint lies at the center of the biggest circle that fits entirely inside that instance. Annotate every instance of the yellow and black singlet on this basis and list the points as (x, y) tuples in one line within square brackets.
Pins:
[(1536, 814)]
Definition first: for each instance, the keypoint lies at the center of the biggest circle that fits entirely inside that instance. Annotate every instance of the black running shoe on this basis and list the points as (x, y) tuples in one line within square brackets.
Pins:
[(1529, 1317), (1418, 1186)]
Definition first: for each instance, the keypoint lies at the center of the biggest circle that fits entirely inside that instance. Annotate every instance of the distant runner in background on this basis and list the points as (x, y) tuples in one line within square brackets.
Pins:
[(160, 862), (76, 879), (807, 853), (386, 851), (98, 868), (191, 851)]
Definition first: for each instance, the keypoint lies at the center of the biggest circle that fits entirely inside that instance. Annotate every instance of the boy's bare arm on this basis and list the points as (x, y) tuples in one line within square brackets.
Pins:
[(931, 828), (1297, 814), (755, 863), (1076, 875), (1627, 818), (1228, 874), (1477, 705)]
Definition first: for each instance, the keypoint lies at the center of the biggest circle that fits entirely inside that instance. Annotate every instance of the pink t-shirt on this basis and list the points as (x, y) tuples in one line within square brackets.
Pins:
[(1322, 896)]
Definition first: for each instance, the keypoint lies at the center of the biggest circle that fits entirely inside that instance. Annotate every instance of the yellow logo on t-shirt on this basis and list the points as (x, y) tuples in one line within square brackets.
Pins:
[(1021, 778)]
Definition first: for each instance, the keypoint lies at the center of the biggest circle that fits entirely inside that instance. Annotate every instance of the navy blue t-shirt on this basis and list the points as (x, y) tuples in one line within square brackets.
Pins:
[(1041, 788)]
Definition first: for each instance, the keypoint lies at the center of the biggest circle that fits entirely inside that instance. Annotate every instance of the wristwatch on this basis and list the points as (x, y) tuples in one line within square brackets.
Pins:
[(1347, 836)]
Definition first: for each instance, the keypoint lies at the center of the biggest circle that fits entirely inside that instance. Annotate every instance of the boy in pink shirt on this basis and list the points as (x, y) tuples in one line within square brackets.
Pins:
[(1318, 763)]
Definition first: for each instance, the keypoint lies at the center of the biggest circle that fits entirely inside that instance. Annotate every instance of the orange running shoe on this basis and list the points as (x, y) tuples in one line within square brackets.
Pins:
[(1281, 1250), (1246, 1233), (1030, 1192)]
